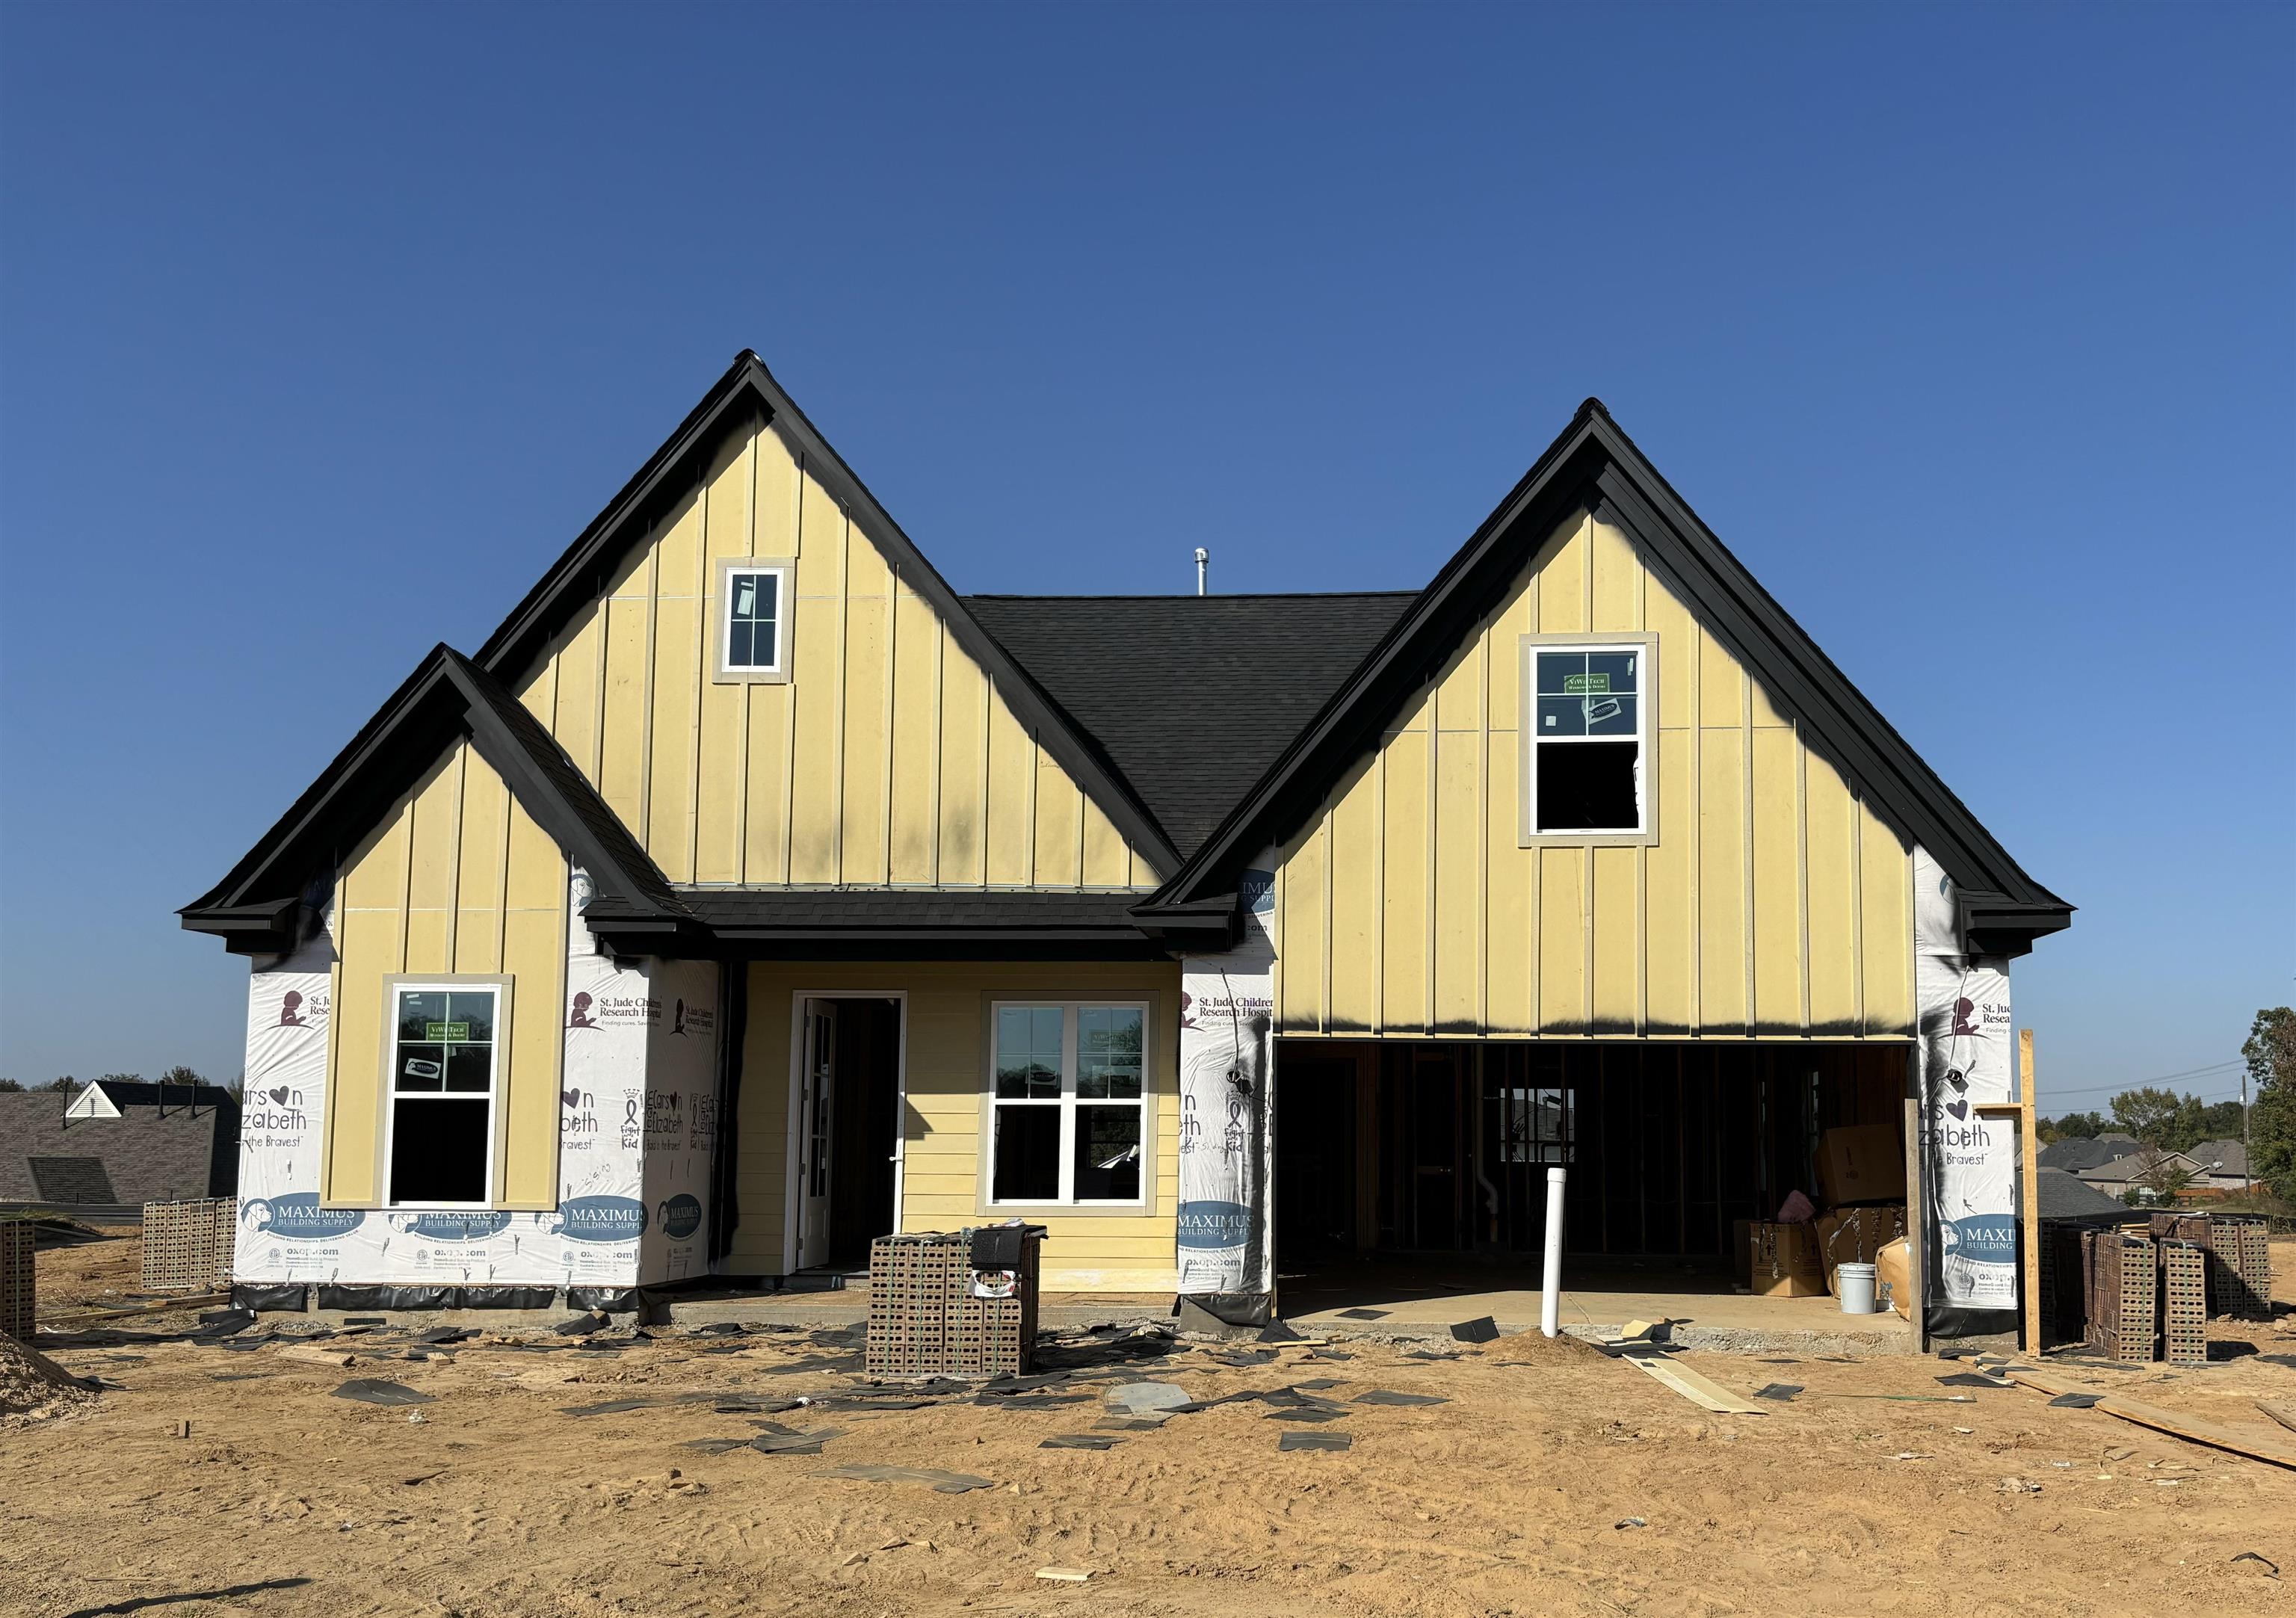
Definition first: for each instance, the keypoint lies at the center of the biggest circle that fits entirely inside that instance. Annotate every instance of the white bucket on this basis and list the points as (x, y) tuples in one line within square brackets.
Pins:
[(1856, 1283)]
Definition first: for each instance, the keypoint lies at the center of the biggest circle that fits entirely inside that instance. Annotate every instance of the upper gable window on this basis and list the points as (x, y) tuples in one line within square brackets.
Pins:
[(1588, 764), (753, 619)]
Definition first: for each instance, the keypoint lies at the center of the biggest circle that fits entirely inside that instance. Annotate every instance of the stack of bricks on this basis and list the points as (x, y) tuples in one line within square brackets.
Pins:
[(2240, 1275), (924, 1321), (187, 1245), (2123, 1295), (2184, 1301), (18, 1280), (912, 1280)]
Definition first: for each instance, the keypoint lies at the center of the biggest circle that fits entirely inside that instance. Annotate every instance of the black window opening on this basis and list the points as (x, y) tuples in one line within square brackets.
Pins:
[(442, 1081), (1588, 714)]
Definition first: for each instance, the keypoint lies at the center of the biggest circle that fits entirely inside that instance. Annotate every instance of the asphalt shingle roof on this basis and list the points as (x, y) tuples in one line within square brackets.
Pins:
[(1191, 697)]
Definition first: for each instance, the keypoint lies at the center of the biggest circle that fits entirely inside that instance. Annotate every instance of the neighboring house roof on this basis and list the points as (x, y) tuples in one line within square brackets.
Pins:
[(105, 1097), (2221, 1158), (262, 907), (2136, 1165), (2075, 1153), (1595, 465), (141, 1154), (2064, 1196), (1192, 696)]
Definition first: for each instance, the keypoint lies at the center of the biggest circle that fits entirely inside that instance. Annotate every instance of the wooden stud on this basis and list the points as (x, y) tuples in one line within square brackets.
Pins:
[(2028, 1180)]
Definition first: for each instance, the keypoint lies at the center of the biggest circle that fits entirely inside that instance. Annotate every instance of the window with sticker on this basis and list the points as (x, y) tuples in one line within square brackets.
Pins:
[(443, 1080), (1589, 732)]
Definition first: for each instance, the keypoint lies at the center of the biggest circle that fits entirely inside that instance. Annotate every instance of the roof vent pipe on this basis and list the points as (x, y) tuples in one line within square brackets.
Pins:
[(1203, 560)]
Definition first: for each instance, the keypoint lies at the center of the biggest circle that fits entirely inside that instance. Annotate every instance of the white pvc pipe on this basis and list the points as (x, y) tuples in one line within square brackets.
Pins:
[(1550, 1301)]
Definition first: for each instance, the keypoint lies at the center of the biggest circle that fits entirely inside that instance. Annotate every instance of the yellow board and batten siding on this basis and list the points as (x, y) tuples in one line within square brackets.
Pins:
[(457, 879), (944, 1120), (889, 758), (1773, 902)]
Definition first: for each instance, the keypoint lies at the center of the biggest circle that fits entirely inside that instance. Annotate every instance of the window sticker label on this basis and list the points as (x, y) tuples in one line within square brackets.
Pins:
[(1587, 684), (436, 1033)]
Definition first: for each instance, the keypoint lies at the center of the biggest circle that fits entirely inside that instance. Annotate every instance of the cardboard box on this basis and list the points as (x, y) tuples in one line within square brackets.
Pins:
[(1864, 1162), (1856, 1235), (1893, 1278), (1785, 1261)]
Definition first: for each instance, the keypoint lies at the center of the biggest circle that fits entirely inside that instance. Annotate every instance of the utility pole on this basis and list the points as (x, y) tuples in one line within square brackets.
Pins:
[(2247, 1174)]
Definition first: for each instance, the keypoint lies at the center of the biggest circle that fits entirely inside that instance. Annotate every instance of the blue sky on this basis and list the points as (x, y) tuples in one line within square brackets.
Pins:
[(322, 330)]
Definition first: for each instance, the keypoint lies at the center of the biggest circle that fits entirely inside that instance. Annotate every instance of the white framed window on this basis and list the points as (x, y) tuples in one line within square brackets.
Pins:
[(443, 1081), (1589, 762), (1067, 1103), (753, 611)]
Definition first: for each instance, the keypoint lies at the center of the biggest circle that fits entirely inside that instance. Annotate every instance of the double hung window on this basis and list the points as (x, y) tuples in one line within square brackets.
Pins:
[(443, 1070), (1588, 743), (1067, 1102)]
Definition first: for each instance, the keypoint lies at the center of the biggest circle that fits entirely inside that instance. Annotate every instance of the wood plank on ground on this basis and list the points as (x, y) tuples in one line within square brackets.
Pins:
[(1697, 1389), (2193, 1429)]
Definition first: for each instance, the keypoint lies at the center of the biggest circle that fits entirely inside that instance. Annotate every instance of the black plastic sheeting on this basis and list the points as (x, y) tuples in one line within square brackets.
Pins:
[(606, 1299), (273, 1300), (335, 1295)]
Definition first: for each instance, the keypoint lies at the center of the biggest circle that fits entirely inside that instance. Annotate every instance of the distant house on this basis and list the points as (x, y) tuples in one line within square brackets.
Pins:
[(2218, 1167), (117, 1143), (2075, 1153)]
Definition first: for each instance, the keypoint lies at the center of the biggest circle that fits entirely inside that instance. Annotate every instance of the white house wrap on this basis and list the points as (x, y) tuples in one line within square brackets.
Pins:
[(1227, 1071), (1969, 1163)]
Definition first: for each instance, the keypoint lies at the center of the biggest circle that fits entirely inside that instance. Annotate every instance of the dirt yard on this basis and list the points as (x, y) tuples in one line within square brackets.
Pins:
[(1552, 1480)]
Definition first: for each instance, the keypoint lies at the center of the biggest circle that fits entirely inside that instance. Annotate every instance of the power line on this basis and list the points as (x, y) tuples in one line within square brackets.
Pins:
[(2220, 1068)]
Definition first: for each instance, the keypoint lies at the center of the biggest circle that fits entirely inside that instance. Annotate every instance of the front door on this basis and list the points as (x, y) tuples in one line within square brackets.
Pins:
[(814, 1137)]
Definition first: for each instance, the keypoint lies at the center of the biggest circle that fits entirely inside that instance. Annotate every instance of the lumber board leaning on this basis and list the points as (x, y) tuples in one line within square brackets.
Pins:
[(1697, 1389), (2193, 1429)]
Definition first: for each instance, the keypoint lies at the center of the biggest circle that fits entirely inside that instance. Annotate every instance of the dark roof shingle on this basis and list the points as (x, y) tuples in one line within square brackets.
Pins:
[(1192, 697)]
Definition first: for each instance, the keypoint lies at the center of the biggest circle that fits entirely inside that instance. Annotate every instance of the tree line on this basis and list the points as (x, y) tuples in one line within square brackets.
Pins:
[(2164, 1121)]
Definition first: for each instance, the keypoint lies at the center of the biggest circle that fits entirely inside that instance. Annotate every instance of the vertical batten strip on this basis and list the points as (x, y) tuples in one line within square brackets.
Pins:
[(1746, 834), (892, 672), (1483, 827), (989, 700), (1696, 652), (1653, 716), (647, 694), (453, 920), (1433, 704), (502, 883), (702, 563), (1323, 1008), (844, 670), (1801, 867), (1378, 896), (1857, 910), (748, 689), (940, 719)]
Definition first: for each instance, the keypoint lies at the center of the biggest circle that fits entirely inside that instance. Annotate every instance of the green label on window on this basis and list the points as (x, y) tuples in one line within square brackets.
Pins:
[(441, 1033), (1587, 684)]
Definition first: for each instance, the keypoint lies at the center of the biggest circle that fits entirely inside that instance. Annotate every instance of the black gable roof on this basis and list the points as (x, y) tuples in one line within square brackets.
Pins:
[(1191, 697)]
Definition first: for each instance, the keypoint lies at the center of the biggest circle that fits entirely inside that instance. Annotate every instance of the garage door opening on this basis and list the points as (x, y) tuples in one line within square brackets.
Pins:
[(1415, 1171)]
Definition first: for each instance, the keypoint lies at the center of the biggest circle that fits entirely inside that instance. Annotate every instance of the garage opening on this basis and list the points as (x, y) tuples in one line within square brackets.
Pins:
[(1416, 1169)]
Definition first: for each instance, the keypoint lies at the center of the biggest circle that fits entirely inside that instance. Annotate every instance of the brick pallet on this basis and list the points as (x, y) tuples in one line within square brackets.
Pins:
[(924, 1321), (2184, 1301), (18, 1280), (2123, 1295), (187, 1245), (2243, 1254)]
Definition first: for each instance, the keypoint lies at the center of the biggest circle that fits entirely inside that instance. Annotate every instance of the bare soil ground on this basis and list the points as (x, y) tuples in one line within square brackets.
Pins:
[(1509, 1498)]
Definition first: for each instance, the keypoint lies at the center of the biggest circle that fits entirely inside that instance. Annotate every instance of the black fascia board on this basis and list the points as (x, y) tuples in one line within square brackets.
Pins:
[(1594, 466), (748, 398), (253, 909)]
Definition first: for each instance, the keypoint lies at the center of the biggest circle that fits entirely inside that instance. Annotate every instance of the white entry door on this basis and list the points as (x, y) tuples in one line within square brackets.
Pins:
[(814, 1133)]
